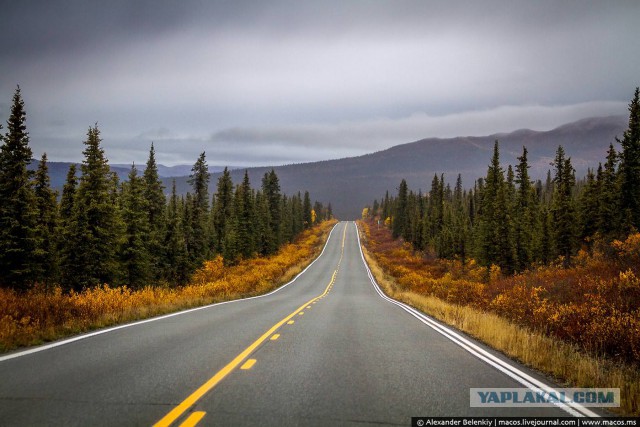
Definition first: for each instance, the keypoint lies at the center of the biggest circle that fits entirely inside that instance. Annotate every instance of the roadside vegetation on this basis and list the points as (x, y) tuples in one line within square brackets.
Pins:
[(548, 273), (106, 251), (43, 314), (520, 315)]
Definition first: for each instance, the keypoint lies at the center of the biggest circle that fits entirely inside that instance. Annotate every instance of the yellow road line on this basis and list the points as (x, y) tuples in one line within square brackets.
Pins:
[(248, 364), (193, 419), (179, 410), (275, 337), (291, 322)]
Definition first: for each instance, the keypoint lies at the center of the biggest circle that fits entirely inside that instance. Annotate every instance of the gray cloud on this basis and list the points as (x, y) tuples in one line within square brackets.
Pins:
[(261, 82), (265, 145)]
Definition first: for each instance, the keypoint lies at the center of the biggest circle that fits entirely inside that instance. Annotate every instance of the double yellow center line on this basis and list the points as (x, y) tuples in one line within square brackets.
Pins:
[(179, 410)]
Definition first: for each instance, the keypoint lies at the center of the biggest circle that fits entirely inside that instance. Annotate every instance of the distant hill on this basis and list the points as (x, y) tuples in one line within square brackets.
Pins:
[(58, 171), (169, 171), (351, 183)]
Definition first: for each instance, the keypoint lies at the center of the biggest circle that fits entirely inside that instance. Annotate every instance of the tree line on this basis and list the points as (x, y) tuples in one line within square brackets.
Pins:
[(100, 230), (511, 221)]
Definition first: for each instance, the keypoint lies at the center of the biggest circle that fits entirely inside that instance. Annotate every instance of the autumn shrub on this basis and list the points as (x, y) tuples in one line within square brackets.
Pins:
[(595, 304), (42, 314)]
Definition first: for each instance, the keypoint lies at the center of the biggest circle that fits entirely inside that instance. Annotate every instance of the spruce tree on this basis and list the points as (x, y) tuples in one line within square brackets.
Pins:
[(156, 216), (296, 214), (562, 209), (199, 180), (609, 216), (588, 204), (494, 241), (271, 191), (435, 210), (18, 213), (386, 211), (400, 216), (525, 219), (175, 262), (135, 258), (286, 207), (222, 209), (306, 211), (630, 169), (244, 213), (264, 237), (546, 239), (503, 230), (96, 231), (45, 257), (461, 221), (67, 227), (68, 196)]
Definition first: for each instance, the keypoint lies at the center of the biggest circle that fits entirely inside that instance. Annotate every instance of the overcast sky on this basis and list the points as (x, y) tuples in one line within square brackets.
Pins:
[(274, 82)]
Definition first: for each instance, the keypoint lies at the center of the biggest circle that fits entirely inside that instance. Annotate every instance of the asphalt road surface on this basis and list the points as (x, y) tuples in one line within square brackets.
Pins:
[(327, 349)]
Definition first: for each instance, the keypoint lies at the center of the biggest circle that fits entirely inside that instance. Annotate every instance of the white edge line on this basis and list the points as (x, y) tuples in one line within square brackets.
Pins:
[(153, 319), (510, 370)]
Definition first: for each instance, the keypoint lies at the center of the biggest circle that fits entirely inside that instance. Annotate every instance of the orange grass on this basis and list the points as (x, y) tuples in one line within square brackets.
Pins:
[(595, 304), (509, 314), (38, 315)]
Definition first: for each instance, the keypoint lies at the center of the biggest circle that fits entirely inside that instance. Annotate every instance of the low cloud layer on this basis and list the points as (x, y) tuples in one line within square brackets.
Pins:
[(278, 82)]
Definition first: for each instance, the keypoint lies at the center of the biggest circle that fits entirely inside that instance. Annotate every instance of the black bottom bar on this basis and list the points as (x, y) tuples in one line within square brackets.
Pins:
[(523, 422)]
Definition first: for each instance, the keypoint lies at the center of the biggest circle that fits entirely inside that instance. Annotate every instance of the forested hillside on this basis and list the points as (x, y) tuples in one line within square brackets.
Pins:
[(351, 183), (355, 181), (514, 222), (104, 231)]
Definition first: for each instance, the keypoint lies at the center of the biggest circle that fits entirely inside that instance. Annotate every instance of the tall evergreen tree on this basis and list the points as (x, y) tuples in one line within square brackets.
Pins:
[(135, 258), (287, 218), (175, 260), (386, 211), (545, 236), (18, 213), (222, 209), (609, 217), (400, 216), (525, 217), (297, 224), (96, 232), (68, 196), (244, 213), (46, 254), (156, 217), (435, 211), (630, 168), (589, 203), (67, 227), (271, 191), (563, 209), (306, 211), (199, 180), (460, 222), (264, 239), (494, 241)]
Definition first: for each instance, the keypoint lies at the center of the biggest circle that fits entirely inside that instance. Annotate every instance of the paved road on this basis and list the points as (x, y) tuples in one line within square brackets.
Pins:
[(327, 349)]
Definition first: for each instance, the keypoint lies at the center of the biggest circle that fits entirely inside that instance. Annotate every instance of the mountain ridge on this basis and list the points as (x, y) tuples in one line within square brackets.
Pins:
[(353, 182)]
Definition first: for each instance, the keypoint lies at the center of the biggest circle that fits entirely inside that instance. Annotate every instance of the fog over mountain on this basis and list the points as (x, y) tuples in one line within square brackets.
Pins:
[(351, 183), (280, 82)]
